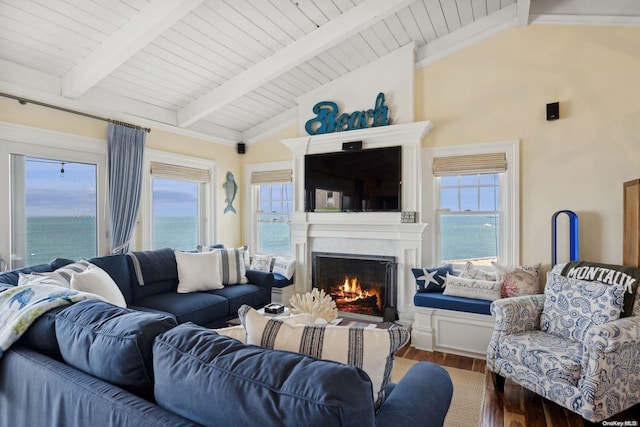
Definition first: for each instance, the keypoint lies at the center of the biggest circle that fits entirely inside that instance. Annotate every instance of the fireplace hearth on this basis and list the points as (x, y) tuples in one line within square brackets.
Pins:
[(361, 285)]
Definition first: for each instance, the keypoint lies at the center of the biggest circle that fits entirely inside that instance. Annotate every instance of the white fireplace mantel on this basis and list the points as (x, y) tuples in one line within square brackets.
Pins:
[(365, 233)]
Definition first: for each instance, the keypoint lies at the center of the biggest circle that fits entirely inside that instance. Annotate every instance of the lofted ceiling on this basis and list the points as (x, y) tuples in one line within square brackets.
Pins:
[(231, 70)]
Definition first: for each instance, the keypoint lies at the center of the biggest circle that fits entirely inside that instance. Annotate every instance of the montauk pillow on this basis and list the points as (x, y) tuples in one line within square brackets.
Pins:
[(369, 349), (572, 306), (261, 262), (233, 268), (97, 281), (284, 266), (198, 271), (472, 288), (518, 279)]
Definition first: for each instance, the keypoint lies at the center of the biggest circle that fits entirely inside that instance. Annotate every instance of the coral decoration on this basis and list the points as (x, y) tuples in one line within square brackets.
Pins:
[(317, 303)]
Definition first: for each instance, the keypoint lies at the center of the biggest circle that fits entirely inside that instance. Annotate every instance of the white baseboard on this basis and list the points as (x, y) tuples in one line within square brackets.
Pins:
[(455, 332)]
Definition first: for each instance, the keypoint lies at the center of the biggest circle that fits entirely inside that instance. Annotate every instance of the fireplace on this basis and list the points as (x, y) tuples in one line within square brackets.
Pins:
[(360, 285)]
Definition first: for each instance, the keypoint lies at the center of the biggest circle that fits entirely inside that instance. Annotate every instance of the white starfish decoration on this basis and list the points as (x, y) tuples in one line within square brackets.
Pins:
[(431, 277)]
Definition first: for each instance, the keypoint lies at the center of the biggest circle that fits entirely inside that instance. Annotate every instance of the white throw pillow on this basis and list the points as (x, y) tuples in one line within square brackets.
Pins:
[(472, 288), (370, 349), (284, 266), (97, 281), (198, 271)]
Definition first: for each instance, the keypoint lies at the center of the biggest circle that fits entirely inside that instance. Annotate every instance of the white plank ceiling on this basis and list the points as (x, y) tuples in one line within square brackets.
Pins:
[(231, 70)]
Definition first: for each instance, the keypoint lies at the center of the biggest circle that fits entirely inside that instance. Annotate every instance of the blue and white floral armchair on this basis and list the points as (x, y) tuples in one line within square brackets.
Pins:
[(570, 345)]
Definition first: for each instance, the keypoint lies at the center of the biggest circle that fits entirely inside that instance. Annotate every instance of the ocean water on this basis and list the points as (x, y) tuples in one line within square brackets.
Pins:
[(75, 237), (468, 237)]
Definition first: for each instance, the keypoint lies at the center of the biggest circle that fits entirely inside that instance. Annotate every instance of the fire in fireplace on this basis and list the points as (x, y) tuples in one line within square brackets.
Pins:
[(359, 284)]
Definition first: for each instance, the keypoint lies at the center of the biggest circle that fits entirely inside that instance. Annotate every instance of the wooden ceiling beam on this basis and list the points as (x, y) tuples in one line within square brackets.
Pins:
[(153, 20), (326, 36)]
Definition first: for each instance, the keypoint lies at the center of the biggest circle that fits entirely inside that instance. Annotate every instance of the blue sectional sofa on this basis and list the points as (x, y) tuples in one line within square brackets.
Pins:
[(209, 308), (93, 363)]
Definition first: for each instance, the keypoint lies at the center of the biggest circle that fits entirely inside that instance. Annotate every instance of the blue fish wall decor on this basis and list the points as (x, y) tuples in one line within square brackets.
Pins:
[(230, 190)]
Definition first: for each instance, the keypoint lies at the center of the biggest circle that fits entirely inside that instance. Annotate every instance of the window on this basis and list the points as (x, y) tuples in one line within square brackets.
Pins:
[(270, 198), (177, 205), (175, 214), (57, 204), (468, 219), (53, 210), (474, 191), (273, 218)]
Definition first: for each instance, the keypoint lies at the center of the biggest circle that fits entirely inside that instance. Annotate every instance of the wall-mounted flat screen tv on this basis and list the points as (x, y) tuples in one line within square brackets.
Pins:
[(354, 181)]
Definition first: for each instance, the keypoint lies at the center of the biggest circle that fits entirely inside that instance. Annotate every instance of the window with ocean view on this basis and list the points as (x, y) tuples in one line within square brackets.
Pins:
[(175, 214), (53, 210), (275, 205), (469, 219)]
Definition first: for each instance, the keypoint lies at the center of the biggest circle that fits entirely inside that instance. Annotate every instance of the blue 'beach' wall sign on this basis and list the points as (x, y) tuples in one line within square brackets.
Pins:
[(329, 120)]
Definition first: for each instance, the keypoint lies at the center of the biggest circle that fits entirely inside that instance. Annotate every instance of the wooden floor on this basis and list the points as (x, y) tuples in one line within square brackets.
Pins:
[(517, 406)]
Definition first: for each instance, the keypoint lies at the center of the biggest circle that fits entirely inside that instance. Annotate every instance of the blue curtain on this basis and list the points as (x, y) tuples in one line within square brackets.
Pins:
[(125, 151)]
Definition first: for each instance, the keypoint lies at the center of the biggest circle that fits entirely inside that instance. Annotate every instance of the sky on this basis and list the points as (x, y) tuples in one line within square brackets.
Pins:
[(73, 193)]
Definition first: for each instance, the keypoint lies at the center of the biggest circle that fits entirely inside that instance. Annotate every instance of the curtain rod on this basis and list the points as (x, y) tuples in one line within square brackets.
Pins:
[(25, 101)]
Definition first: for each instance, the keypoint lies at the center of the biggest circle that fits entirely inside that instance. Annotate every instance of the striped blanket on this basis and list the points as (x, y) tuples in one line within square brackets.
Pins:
[(21, 305)]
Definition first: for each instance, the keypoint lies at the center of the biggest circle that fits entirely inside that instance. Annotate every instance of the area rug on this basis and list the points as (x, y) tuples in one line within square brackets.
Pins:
[(468, 393)]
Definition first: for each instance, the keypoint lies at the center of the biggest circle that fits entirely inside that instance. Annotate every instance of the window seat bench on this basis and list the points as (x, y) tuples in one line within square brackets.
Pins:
[(450, 324)]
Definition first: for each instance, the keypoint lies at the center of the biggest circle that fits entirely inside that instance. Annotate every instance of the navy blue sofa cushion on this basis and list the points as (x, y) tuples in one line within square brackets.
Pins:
[(198, 307), (159, 273), (280, 281), (238, 295), (111, 343), (240, 385), (447, 302), (36, 390), (41, 335)]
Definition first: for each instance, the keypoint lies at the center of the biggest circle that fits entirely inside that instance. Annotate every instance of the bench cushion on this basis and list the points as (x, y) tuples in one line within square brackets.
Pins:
[(448, 302)]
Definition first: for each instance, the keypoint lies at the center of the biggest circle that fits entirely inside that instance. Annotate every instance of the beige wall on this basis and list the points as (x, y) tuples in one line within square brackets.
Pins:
[(227, 225), (498, 90)]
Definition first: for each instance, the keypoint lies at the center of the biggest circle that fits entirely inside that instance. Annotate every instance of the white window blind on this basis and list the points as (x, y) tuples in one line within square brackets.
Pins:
[(164, 170), (470, 164), (264, 177)]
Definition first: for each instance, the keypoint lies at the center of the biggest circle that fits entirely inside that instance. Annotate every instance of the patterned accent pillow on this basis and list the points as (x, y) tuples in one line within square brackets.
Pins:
[(470, 271), (369, 349), (261, 262), (61, 277), (518, 279), (284, 266), (431, 279), (233, 268), (572, 306), (472, 288)]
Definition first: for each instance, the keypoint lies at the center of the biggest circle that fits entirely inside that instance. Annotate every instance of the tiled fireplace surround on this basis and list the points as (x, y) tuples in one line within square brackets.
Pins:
[(363, 233)]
